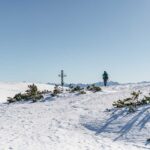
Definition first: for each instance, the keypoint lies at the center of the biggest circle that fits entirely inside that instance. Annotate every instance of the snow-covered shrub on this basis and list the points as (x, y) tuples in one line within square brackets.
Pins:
[(146, 100), (76, 89), (94, 88), (45, 92), (32, 90), (18, 97), (135, 95), (11, 100), (31, 94), (132, 101), (127, 102), (37, 97), (56, 91), (82, 92)]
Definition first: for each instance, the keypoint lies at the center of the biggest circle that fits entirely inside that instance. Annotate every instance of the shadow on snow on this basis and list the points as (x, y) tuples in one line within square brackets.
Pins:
[(116, 124)]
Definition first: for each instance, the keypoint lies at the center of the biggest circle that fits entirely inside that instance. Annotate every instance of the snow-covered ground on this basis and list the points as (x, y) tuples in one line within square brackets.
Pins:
[(73, 122)]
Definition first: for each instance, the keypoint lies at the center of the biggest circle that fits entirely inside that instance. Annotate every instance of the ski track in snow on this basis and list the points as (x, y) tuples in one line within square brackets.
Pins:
[(75, 122)]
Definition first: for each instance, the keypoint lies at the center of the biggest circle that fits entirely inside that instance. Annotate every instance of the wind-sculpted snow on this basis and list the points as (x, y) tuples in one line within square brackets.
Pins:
[(76, 122)]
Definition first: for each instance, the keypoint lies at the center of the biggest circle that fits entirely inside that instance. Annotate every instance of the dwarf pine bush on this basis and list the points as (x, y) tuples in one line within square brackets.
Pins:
[(94, 88), (76, 89), (82, 92), (56, 91), (31, 94), (132, 101)]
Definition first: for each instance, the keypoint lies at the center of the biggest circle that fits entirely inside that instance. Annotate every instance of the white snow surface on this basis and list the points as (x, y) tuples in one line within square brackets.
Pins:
[(72, 121)]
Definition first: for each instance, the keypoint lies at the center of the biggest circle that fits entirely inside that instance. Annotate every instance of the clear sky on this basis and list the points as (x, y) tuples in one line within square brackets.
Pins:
[(38, 38)]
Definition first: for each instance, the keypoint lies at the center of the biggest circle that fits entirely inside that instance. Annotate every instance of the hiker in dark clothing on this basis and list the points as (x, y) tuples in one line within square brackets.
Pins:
[(105, 78)]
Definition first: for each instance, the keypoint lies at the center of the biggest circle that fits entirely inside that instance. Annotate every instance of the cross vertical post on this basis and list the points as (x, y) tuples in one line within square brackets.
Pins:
[(62, 75)]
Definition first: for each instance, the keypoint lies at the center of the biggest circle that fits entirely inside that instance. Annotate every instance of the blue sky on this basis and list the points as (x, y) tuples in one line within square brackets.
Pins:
[(38, 38)]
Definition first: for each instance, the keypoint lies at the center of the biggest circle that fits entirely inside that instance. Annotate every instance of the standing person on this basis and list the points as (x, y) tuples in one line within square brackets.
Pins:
[(105, 78)]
